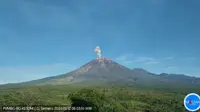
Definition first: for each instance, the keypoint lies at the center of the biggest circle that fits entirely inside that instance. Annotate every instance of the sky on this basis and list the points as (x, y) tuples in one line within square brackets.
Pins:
[(42, 38)]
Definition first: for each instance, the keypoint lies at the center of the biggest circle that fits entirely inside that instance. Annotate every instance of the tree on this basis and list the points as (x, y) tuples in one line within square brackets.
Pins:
[(90, 97)]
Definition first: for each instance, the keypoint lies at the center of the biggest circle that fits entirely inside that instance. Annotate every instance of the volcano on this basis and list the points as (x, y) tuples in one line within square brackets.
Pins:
[(99, 70), (104, 70)]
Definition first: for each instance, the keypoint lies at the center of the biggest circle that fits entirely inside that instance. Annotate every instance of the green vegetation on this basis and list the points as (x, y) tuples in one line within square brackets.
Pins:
[(102, 99)]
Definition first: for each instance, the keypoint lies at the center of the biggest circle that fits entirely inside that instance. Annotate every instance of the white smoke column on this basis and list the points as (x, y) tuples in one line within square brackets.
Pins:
[(98, 51)]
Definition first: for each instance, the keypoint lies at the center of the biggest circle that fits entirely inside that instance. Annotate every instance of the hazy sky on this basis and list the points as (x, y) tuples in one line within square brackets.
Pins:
[(40, 38)]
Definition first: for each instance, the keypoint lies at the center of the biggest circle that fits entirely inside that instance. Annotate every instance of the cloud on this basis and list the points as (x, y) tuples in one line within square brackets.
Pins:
[(26, 73), (128, 62), (121, 58), (152, 62), (169, 58), (128, 59), (125, 58), (146, 60), (171, 67)]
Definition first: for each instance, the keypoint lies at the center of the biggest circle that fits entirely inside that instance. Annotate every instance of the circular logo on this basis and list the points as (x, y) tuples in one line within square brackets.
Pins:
[(192, 102)]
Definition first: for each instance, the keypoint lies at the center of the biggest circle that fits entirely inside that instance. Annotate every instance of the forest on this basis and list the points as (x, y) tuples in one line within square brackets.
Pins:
[(94, 99)]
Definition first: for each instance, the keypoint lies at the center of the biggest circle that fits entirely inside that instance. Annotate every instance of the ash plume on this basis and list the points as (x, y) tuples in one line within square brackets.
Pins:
[(98, 51)]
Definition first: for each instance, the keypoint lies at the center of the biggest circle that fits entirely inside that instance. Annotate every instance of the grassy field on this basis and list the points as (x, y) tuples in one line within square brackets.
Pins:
[(105, 98)]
